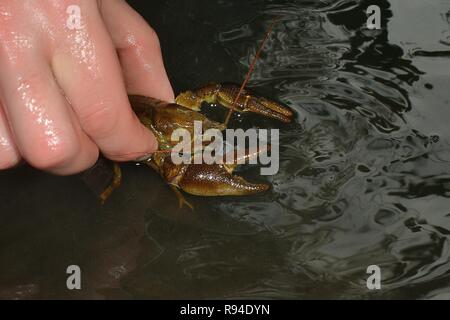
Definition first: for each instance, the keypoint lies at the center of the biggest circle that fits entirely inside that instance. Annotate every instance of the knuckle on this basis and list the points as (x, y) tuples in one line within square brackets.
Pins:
[(47, 157), (7, 25), (32, 83), (151, 38), (98, 120), (14, 43), (151, 33), (144, 39), (8, 161), (91, 159), (9, 156)]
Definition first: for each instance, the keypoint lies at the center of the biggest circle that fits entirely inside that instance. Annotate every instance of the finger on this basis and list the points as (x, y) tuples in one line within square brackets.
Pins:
[(89, 73), (40, 120), (139, 51), (9, 155)]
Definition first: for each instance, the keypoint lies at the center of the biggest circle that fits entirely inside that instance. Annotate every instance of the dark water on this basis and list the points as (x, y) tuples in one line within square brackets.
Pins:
[(364, 173)]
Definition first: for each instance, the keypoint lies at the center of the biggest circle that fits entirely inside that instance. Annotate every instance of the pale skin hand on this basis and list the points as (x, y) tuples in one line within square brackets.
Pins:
[(63, 91)]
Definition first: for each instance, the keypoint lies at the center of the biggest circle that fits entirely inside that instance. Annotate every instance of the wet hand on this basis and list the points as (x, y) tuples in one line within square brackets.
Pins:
[(65, 69)]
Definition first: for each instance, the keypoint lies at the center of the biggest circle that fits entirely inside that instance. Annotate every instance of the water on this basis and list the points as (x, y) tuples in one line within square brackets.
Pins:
[(364, 172)]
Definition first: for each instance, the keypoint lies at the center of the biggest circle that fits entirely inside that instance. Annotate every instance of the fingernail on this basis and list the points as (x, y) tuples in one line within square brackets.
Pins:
[(144, 158), (151, 148)]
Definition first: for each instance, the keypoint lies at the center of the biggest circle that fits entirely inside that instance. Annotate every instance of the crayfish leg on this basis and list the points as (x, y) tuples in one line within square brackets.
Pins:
[(115, 183), (181, 199)]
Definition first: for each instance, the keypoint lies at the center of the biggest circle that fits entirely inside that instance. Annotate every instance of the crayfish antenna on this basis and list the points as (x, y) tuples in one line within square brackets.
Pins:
[(250, 70)]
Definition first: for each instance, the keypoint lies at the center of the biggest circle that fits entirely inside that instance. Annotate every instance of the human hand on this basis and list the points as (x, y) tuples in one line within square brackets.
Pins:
[(63, 90)]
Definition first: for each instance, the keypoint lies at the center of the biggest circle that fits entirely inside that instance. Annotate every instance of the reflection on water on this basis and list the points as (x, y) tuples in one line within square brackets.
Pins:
[(363, 173)]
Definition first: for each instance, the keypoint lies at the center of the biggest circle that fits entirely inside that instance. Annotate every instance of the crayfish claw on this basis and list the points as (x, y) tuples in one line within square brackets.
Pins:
[(216, 180), (249, 102), (230, 96)]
